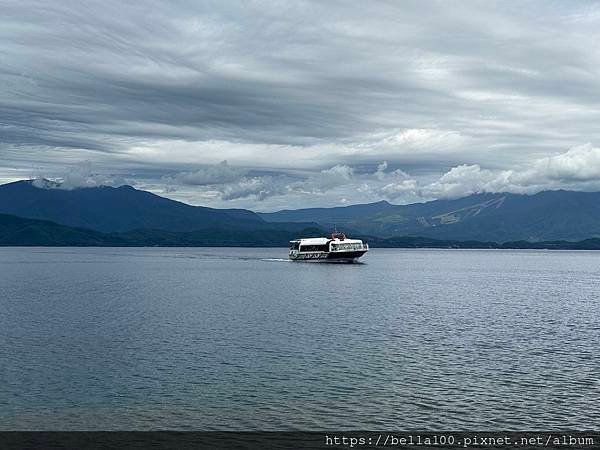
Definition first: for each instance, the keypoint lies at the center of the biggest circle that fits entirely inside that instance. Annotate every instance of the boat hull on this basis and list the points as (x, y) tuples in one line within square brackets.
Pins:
[(330, 257)]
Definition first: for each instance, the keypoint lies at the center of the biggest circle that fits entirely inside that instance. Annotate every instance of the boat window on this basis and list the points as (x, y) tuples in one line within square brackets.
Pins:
[(294, 245), (348, 246), (313, 248)]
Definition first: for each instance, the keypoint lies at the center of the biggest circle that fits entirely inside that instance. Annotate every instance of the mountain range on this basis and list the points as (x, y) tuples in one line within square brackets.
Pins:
[(109, 209), (548, 215), (33, 232), (46, 214), (19, 231)]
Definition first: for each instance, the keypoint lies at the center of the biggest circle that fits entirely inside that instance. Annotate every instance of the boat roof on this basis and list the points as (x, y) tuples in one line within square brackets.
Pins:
[(347, 241), (313, 241), (323, 241)]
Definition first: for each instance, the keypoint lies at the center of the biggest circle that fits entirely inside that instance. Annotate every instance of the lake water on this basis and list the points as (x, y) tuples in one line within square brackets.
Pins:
[(242, 339)]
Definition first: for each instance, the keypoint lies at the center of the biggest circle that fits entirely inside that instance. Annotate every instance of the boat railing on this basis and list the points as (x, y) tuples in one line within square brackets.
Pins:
[(350, 247)]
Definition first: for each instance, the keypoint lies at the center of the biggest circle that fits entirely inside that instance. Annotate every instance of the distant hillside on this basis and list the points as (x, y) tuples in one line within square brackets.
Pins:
[(424, 242), (19, 231), (546, 216), (121, 209), (30, 232), (343, 214), (549, 215)]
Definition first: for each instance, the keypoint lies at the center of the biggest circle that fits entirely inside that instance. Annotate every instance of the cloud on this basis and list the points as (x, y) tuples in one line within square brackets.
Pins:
[(461, 181), (380, 172), (229, 183), (221, 173), (78, 176), (259, 188), (579, 164), (333, 181), (223, 185), (576, 169), (427, 87), (419, 140), (401, 189), (327, 179)]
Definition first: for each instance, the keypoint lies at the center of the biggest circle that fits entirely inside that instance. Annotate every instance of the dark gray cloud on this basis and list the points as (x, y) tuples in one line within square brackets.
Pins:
[(317, 94)]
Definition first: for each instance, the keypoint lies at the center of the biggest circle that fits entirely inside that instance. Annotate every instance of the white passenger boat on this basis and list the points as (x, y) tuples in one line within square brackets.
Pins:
[(337, 248)]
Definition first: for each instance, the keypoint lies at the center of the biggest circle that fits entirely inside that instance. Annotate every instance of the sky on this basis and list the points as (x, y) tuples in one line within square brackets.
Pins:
[(274, 105)]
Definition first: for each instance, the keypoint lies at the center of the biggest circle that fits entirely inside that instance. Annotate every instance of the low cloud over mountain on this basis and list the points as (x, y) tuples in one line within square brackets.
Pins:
[(575, 169)]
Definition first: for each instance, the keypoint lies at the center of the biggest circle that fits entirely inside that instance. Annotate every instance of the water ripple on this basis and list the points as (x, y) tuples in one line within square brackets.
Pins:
[(207, 339)]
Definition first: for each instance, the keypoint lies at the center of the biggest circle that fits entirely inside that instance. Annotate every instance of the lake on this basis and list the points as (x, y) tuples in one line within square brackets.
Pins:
[(242, 339)]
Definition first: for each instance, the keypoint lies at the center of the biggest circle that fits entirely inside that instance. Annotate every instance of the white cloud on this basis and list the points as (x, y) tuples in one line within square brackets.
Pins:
[(327, 179), (418, 139), (380, 172), (580, 163), (382, 175), (78, 176), (222, 185), (228, 183), (401, 189), (258, 188), (576, 169), (461, 181), (221, 173)]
